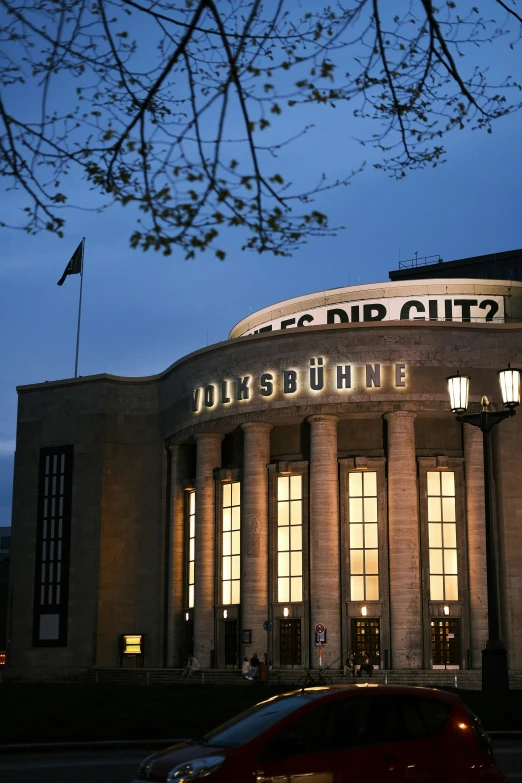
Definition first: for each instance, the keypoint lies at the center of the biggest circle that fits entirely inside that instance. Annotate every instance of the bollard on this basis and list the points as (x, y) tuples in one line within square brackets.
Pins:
[(456, 681), (202, 678), (386, 678), (147, 678)]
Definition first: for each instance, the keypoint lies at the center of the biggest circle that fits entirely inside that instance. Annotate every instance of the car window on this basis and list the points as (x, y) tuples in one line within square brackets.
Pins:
[(254, 721), (307, 734), (359, 722), (422, 717)]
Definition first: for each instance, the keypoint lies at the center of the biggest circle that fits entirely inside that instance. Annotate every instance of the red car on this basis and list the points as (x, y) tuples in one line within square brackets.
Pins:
[(340, 734)]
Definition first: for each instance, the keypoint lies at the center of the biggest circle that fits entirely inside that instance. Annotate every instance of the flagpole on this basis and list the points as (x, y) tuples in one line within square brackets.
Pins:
[(79, 313)]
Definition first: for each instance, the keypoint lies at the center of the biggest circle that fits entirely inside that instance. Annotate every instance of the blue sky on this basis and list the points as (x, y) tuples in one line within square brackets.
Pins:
[(141, 312)]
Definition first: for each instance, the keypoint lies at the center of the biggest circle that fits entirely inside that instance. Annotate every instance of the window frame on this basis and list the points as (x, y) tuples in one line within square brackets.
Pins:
[(219, 538), (62, 608), (186, 549), (299, 610), (435, 609)]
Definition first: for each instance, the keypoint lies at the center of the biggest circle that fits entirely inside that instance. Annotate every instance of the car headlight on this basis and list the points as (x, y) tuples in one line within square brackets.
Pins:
[(192, 770)]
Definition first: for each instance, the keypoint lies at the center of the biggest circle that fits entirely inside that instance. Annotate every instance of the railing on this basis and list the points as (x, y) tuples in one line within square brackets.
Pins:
[(411, 263)]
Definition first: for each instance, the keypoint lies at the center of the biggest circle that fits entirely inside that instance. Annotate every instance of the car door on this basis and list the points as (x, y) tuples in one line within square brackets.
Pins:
[(420, 751), (345, 740)]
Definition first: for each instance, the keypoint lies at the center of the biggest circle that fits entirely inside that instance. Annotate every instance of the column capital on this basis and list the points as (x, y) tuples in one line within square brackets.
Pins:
[(400, 415), (257, 425), (322, 417), (209, 436)]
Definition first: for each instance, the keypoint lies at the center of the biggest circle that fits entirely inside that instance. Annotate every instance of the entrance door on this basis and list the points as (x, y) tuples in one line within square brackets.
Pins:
[(366, 639), (445, 643), (231, 643), (188, 641), (290, 642)]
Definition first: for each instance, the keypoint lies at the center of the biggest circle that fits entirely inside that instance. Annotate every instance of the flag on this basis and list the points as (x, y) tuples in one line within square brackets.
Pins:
[(74, 267)]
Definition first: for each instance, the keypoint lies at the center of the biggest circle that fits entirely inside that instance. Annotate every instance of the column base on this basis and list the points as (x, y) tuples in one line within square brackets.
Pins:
[(494, 669)]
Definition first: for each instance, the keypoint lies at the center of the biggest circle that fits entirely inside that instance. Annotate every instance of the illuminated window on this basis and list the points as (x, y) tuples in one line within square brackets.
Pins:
[(289, 539), (442, 536), (364, 537), (231, 542), (191, 541)]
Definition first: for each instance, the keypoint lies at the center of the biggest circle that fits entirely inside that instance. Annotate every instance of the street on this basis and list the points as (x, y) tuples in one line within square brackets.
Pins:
[(101, 766), (106, 766)]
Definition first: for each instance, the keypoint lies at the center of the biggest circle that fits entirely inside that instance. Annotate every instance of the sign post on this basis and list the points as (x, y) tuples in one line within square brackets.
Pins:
[(320, 639)]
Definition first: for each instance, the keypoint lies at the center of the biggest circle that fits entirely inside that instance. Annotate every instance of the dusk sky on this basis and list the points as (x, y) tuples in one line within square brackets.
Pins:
[(142, 312)]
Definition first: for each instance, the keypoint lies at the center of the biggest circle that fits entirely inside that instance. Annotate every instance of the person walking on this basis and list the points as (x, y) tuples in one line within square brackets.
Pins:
[(190, 668)]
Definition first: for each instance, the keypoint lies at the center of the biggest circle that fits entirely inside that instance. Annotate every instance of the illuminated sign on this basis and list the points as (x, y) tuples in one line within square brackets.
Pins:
[(457, 307), (316, 378), (132, 644)]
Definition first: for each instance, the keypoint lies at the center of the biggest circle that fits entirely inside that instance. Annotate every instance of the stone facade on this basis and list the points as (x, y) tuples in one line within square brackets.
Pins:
[(253, 409)]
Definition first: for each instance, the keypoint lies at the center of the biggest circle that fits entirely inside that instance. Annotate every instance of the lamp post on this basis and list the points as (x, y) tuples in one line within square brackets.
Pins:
[(494, 655)]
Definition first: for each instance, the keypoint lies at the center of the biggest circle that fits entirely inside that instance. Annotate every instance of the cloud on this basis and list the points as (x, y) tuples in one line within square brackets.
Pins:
[(7, 447)]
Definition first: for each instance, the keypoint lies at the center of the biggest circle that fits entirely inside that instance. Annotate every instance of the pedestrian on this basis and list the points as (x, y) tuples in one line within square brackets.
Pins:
[(268, 662), (246, 670), (366, 665), (349, 666), (254, 663), (190, 668)]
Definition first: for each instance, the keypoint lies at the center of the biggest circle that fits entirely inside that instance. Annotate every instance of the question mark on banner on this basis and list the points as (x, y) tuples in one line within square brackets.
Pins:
[(493, 308)]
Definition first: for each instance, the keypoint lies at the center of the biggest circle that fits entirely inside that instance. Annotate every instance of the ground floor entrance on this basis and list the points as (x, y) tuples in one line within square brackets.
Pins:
[(365, 639), (445, 643), (290, 651)]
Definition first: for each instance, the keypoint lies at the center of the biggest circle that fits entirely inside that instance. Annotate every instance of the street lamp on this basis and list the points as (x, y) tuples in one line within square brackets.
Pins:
[(494, 655)]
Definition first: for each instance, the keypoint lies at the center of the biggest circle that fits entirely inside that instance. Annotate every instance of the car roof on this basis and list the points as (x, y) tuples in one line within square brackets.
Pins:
[(417, 691)]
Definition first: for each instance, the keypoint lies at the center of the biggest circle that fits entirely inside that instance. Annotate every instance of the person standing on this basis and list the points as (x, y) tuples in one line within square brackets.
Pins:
[(254, 663)]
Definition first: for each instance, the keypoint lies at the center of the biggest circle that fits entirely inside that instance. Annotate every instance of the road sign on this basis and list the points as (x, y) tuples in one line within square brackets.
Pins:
[(319, 628), (268, 625)]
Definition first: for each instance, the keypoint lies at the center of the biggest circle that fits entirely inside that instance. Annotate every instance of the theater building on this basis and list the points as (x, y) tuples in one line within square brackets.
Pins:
[(305, 472)]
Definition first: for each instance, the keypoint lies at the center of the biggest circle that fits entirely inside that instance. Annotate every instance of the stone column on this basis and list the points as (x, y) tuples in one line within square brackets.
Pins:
[(478, 586), (254, 533), (404, 542), (208, 458), (176, 573), (325, 588)]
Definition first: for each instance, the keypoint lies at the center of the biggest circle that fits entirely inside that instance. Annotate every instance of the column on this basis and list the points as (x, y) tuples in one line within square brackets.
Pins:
[(176, 572), (478, 589), (207, 459), (325, 589), (404, 543), (254, 533)]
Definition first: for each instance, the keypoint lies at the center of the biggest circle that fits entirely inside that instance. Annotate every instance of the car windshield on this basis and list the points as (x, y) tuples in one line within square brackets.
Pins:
[(252, 722)]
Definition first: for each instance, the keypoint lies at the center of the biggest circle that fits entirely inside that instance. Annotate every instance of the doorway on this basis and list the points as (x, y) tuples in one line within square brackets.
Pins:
[(445, 643), (230, 643), (366, 639), (188, 641), (290, 642)]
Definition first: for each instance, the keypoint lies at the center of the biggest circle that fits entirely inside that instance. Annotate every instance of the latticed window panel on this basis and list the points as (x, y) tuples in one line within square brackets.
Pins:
[(231, 532), (52, 551), (191, 514), (442, 536), (289, 539), (363, 536)]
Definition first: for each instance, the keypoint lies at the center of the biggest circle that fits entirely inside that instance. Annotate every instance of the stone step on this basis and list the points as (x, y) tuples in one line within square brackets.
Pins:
[(460, 678)]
